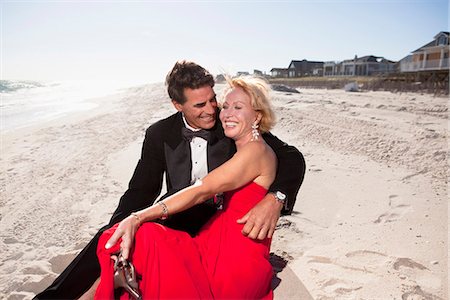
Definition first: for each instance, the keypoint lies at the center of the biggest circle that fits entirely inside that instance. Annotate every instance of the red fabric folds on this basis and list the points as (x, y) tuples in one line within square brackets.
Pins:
[(219, 263)]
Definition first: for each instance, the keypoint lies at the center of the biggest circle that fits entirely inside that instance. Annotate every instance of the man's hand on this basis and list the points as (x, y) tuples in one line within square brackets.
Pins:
[(126, 230), (261, 220)]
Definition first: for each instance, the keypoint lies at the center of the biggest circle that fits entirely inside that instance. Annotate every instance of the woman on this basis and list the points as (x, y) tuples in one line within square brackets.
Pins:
[(219, 262)]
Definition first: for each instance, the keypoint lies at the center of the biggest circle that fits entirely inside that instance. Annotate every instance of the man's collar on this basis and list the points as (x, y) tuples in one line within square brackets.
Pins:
[(187, 125)]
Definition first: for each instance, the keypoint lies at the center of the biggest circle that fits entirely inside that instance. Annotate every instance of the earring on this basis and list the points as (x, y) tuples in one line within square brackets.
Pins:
[(255, 132)]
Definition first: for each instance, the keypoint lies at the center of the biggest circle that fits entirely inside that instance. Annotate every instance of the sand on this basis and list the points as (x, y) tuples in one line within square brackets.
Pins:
[(370, 221)]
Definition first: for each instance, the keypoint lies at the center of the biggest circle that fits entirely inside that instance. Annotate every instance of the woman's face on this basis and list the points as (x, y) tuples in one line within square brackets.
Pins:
[(237, 115)]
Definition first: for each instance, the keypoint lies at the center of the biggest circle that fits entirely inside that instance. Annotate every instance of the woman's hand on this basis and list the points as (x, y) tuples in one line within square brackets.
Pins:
[(126, 230)]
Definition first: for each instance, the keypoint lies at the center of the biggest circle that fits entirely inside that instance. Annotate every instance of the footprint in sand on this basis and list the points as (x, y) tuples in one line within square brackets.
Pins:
[(339, 287), (10, 240), (416, 292), (396, 210), (320, 259), (366, 260), (386, 218), (418, 279), (404, 262)]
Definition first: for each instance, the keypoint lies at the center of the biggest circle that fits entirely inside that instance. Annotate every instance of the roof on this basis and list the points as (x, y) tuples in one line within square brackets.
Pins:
[(369, 58), (278, 69), (433, 43), (298, 63), (407, 58)]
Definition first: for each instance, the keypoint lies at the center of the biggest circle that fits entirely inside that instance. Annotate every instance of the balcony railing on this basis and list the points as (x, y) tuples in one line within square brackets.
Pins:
[(429, 65)]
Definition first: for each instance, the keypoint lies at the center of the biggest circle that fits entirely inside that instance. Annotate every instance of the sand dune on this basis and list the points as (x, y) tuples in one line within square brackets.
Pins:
[(370, 220)]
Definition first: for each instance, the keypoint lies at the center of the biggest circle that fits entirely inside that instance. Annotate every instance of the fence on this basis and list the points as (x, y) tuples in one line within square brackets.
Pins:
[(432, 82)]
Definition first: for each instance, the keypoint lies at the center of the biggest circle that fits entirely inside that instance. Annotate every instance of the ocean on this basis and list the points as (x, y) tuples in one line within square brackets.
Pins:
[(26, 103)]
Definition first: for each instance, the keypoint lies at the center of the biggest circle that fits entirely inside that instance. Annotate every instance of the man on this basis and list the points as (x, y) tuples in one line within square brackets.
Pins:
[(193, 132)]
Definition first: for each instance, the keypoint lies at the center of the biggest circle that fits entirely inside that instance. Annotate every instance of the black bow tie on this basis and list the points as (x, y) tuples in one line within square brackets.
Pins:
[(189, 134)]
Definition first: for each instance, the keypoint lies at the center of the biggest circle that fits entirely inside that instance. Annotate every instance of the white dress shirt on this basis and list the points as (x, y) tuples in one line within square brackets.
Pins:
[(199, 155)]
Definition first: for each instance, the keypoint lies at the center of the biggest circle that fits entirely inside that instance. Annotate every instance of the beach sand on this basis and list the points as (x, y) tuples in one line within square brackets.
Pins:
[(370, 220)]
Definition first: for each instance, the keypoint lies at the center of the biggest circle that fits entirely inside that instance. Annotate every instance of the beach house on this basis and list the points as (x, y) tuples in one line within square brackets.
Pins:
[(299, 68), (433, 56), (279, 72), (359, 66)]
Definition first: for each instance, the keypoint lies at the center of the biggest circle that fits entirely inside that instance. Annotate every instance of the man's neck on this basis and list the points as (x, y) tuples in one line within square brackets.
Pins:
[(186, 124)]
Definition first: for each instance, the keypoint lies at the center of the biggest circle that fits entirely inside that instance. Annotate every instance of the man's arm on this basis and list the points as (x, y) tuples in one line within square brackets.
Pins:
[(290, 172), (146, 183), (261, 220)]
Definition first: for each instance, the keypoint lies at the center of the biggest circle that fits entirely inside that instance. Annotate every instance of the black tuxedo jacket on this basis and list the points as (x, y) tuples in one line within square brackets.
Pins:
[(165, 151)]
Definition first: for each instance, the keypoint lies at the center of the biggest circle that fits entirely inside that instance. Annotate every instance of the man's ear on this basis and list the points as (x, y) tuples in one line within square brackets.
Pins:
[(177, 105)]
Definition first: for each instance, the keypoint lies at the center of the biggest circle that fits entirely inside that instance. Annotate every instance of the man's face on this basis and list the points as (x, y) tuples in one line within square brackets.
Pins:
[(200, 107)]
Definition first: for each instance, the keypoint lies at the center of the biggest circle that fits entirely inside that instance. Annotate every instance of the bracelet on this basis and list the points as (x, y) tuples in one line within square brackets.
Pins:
[(165, 211), (137, 217)]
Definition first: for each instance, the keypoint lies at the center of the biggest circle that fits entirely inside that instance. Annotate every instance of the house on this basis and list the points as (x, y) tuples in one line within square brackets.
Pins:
[(363, 66), (406, 64), (433, 56), (242, 73), (258, 72), (279, 72), (299, 68), (220, 78), (331, 68)]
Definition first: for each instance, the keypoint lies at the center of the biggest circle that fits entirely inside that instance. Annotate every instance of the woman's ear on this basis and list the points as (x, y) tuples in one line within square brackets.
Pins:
[(258, 117)]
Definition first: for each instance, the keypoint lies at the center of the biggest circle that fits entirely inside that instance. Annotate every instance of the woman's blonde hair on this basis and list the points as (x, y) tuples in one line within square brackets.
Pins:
[(259, 92)]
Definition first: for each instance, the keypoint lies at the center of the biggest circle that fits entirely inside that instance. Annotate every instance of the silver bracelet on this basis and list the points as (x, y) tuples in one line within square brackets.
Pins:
[(165, 211)]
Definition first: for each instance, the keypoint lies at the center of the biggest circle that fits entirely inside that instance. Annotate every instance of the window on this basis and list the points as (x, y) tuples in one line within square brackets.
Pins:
[(442, 40)]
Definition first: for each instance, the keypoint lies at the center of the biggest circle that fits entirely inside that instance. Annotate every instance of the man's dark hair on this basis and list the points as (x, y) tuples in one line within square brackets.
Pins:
[(186, 74)]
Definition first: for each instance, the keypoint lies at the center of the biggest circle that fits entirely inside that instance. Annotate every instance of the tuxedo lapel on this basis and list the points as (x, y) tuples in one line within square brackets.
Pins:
[(178, 156), (178, 165)]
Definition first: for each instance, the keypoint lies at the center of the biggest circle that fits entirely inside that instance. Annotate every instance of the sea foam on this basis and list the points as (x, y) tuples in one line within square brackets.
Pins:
[(25, 103)]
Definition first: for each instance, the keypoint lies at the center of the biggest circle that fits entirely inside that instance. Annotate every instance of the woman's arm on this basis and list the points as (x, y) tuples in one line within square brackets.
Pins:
[(255, 162)]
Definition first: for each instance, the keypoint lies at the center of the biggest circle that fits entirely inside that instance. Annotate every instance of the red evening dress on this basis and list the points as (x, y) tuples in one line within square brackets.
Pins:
[(218, 263)]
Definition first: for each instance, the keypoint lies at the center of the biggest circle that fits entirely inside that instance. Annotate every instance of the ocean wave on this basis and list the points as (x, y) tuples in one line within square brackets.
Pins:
[(9, 86)]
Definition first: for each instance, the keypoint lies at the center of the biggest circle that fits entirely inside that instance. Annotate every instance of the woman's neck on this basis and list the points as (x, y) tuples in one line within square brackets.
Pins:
[(241, 142)]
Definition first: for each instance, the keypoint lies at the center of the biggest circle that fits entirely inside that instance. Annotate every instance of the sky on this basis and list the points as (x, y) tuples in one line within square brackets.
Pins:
[(140, 41)]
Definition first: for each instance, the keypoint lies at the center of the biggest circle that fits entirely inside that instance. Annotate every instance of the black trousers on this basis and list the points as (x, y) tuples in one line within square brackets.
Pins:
[(79, 276)]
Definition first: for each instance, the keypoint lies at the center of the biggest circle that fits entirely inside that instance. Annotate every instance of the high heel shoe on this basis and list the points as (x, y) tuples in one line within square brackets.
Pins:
[(125, 277)]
